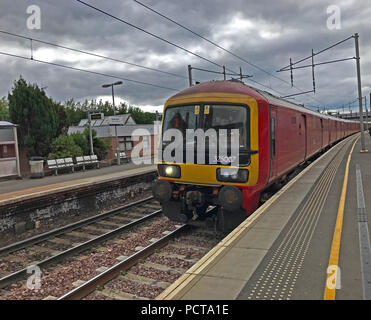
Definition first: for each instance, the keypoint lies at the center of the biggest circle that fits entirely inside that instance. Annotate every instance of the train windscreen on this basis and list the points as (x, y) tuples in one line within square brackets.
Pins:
[(223, 125)]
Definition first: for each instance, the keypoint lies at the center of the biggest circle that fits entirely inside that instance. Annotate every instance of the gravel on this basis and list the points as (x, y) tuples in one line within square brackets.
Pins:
[(135, 288), (58, 281), (170, 262), (188, 253), (155, 274)]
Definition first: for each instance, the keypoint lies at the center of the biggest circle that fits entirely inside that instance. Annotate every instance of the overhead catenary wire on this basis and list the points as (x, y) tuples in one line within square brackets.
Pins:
[(103, 57), (91, 54), (151, 34), (86, 71), (316, 53), (224, 49)]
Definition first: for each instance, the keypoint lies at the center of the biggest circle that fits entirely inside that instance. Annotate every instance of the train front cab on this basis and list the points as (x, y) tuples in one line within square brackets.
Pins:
[(185, 195)]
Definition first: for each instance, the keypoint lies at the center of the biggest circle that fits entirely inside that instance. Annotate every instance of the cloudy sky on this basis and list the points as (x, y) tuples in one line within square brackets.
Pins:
[(266, 33)]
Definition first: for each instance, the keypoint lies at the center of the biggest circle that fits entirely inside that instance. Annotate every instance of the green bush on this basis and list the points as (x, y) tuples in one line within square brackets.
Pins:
[(83, 142), (65, 147), (100, 146)]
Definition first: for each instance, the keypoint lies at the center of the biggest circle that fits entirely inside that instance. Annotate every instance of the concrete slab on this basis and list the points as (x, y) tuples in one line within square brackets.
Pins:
[(258, 238), (121, 258), (78, 283), (101, 269), (237, 263), (50, 298), (212, 288), (273, 221)]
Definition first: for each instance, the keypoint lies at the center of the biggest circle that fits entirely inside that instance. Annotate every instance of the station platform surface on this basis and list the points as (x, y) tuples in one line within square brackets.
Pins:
[(293, 246), (18, 190)]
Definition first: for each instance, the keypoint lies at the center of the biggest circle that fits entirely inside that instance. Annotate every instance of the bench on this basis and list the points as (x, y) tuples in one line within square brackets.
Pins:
[(63, 163), (86, 161), (123, 156)]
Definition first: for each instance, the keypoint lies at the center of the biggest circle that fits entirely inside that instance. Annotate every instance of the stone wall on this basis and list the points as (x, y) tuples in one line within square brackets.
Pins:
[(92, 199)]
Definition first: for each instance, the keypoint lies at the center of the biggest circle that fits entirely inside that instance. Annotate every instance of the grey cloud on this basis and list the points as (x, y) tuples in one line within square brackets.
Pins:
[(301, 27)]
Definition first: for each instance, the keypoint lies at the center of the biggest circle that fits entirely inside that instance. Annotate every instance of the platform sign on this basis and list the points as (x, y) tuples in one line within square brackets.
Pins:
[(96, 116), (115, 121)]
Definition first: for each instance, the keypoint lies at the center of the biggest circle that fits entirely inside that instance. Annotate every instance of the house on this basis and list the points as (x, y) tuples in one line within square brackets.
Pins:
[(129, 133)]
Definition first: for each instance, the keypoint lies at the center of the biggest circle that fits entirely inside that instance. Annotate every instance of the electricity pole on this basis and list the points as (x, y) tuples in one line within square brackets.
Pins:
[(90, 134), (363, 148), (114, 113)]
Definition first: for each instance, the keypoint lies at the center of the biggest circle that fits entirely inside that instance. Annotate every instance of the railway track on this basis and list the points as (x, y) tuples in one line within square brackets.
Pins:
[(149, 271), (54, 246), (137, 260)]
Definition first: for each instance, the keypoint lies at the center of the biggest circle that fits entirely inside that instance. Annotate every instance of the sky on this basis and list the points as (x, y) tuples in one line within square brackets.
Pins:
[(265, 33)]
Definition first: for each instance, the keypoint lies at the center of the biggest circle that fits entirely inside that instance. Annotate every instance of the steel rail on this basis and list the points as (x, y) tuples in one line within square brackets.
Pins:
[(104, 277), (20, 274), (70, 227)]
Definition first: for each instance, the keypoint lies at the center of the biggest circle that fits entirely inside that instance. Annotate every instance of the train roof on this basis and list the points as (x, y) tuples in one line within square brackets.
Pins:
[(238, 87), (272, 99)]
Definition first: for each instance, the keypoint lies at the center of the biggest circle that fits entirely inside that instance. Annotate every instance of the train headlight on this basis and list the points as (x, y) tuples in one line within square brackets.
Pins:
[(232, 175), (170, 171)]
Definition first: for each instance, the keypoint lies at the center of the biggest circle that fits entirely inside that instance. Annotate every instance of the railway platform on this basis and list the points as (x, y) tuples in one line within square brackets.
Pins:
[(17, 190), (30, 203), (309, 241)]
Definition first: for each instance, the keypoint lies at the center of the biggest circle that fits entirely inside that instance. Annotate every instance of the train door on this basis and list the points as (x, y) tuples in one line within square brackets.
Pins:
[(303, 134), (273, 142)]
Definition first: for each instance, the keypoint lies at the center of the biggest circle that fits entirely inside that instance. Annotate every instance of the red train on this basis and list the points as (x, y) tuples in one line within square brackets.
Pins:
[(275, 135)]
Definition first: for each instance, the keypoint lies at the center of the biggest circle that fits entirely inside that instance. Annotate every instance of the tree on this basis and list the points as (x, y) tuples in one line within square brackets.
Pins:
[(77, 111), (63, 123), (140, 116), (36, 115), (100, 146), (4, 109), (82, 141), (74, 112), (64, 147)]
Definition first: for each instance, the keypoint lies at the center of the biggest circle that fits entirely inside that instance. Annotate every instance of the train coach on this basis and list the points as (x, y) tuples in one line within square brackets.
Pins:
[(274, 136)]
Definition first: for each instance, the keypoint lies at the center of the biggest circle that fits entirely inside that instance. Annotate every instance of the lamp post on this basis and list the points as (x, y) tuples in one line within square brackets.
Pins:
[(90, 134), (114, 113)]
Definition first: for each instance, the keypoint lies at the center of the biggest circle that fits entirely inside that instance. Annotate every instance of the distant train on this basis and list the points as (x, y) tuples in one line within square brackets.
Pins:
[(275, 136)]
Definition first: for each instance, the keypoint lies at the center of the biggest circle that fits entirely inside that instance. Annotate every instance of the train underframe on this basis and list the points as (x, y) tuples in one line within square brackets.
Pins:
[(223, 207)]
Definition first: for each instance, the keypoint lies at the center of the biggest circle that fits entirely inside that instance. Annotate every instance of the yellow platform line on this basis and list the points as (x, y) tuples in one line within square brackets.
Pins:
[(330, 287)]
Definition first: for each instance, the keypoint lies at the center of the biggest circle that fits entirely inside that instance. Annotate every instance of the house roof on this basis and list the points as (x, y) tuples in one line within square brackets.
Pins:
[(125, 119), (6, 124), (122, 131)]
